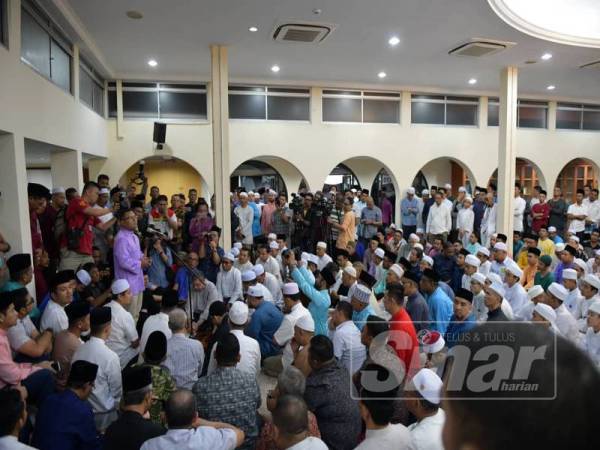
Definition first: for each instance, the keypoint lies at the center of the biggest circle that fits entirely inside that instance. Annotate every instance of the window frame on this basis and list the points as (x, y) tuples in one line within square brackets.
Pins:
[(444, 99), (95, 77), (536, 104), (581, 108), (362, 95), (264, 91)]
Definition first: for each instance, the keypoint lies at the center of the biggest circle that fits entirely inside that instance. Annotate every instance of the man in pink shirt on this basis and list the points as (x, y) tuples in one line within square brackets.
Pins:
[(266, 218)]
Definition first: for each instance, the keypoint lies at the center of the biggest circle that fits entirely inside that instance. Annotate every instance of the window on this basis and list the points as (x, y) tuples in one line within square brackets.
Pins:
[(493, 112), (361, 106), (573, 116), (269, 103), (44, 47), (444, 110), (531, 114), (166, 101), (3, 23), (91, 87)]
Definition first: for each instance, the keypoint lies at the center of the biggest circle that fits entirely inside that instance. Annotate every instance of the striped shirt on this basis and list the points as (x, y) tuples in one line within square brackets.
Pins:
[(185, 357)]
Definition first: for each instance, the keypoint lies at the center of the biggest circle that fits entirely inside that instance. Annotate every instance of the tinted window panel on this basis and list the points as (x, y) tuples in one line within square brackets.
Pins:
[(86, 88), (288, 108), (35, 44), (591, 120), (381, 111), (568, 120), (461, 114), (532, 117), (112, 103), (60, 67), (341, 110), (422, 112), (493, 115), (140, 104), (247, 107), (427, 97), (332, 92), (99, 99), (182, 105)]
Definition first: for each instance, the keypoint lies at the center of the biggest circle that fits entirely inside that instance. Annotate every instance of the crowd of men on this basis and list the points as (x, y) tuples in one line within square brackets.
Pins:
[(145, 333)]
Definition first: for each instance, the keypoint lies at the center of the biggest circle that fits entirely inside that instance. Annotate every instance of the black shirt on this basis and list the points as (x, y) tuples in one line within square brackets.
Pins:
[(130, 432), (497, 316)]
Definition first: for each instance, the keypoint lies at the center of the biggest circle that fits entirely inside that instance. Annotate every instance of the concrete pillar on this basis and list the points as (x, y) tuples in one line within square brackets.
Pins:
[(316, 105), (119, 109), (507, 151), (14, 206), (75, 72), (405, 111), (67, 169), (483, 112), (220, 135), (552, 118)]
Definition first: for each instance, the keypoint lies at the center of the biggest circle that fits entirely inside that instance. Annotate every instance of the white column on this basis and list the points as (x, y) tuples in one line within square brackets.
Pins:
[(507, 152), (67, 169), (119, 109), (75, 72), (483, 112), (220, 132), (405, 110)]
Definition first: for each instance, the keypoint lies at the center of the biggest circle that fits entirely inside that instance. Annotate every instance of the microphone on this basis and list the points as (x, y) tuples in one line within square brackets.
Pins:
[(151, 230)]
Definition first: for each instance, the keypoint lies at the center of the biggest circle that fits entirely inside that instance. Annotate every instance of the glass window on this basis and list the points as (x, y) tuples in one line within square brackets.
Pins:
[(112, 103), (532, 115), (138, 104), (444, 110), (60, 66), (288, 108), (86, 88), (493, 114), (247, 107), (35, 44), (342, 109), (182, 105), (459, 114), (424, 112), (591, 120), (381, 111), (98, 99), (568, 119)]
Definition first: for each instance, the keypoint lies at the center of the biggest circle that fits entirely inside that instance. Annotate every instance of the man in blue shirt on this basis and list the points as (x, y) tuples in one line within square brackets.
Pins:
[(409, 207), (445, 262), (265, 322), (361, 297), (462, 320), (66, 421), (440, 305)]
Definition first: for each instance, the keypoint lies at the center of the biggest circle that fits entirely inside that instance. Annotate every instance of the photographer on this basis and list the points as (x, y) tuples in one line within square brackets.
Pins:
[(282, 217), (161, 260), (210, 255), (309, 223)]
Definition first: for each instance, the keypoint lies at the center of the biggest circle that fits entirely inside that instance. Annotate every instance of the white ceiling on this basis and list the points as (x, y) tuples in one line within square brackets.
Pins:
[(177, 33)]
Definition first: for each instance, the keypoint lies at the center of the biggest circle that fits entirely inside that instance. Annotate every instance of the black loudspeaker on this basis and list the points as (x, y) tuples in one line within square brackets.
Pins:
[(160, 133)]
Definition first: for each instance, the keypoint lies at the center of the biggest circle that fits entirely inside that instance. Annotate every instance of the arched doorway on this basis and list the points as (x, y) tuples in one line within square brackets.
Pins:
[(441, 171), (527, 174), (575, 175), (342, 177), (253, 175), (383, 188)]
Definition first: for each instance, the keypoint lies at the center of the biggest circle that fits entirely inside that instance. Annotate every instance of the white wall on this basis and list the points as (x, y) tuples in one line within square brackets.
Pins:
[(437, 172), (41, 176)]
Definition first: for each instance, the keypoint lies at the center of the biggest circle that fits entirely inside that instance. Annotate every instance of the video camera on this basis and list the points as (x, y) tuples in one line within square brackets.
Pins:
[(297, 204)]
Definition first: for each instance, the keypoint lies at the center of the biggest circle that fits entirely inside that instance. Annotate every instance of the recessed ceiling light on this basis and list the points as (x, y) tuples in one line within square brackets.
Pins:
[(275, 68), (317, 11), (473, 81), (136, 15), (382, 74), (551, 87), (546, 56), (394, 40), (152, 63), (253, 29)]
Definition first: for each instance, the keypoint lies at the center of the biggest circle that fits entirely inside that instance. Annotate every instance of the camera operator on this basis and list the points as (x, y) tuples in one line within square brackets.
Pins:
[(210, 254), (306, 221), (336, 216), (282, 218), (159, 253)]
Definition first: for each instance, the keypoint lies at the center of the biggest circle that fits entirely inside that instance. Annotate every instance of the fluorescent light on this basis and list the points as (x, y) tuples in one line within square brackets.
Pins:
[(152, 63), (275, 68), (394, 40), (473, 81), (382, 75), (546, 56), (253, 29), (551, 87)]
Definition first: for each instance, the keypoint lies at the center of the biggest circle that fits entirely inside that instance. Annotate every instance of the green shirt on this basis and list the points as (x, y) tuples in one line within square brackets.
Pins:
[(544, 281)]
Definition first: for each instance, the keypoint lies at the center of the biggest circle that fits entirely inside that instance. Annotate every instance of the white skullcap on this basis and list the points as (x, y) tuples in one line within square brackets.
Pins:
[(238, 313), (484, 251), (546, 311), (410, 190), (595, 307), (379, 252), (313, 259), (306, 323), (514, 269), (321, 244), (272, 192), (462, 189), (362, 294), (272, 236), (414, 237), (248, 275), (559, 247), (273, 245), (494, 278), (429, 385), (353, 190), (535, 291), (397, 270), (558, 291), (119, 286), (432, 342), (551, 229), (235, 251), (243, 194), (592, 280), (497, 288), (350, 271), (575, 238), (448, 186), (84, 277), (238, 245), (290, 289), (258, 269), (58, 190), (425, 192), (478, 277), (500, 246), (255, 291), (581, 263), (418, 245), (304, 256), (472, 260), (468, 199), (395, 228), (569, 274), (495, 235), (229, 256), (420, 230), (103, 191), (250, 192), (428, 259)]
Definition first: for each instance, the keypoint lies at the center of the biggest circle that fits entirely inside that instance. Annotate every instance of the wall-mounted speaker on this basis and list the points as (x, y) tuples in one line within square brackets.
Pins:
[(160, 134)]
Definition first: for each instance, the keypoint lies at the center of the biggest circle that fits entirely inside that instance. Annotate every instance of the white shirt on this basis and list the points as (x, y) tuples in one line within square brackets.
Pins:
[(122, 334), (392, 436), (243, 267), (465, 282), (488, 223), (270, 265), (500, 267), (201, 438), (12, 443), (591, 345), (519, 205), (285, 332), (465, 219), (203, 298), (439, 219), (594, 211), (566, 324), (54, 318), (267, 296), (583, 310), (485, 267), (575, 226), (310, 443), (157, 322), (516, 296), (526, 312), (106, 394), (347, 347), (323, 261), (274, 287), (573, 302), (427, 433), (20, 333), (249, 354), (246, 217), (229, 284)]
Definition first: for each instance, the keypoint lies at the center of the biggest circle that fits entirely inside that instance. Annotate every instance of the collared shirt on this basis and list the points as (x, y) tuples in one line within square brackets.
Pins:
[(392, 436), (122, 334), (519, 205), (566, 324), (439, 220), (372, 214), (201, 438), (427, 433), (360, 317), (157, 322), (270, 265), (284, 334), (246, 218), (229, 284), (417, 309), (54, 318), (591, 345), (274, 287), (516, 296), (319, 300), (21, 333), (10, 442), (440, 310), (65, 422), (231, 396), (263, 325), (575, 226), (11, 373), (202, 299), (128, 260), (130, 431), (249, 354), (310, 443), (456, 328), (107, 390), (65, 346), (184, 359), (347, 347), (409, 210)]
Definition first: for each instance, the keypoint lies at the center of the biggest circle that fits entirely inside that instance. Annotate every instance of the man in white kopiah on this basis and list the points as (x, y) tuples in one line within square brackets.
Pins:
[(535, 295), (544, 314), (472, 264), (589, 291), (229, 280), (591, 341), (574, 298), (270, 282), (565, 322), (321, 252), (245, 216), (514, 291)]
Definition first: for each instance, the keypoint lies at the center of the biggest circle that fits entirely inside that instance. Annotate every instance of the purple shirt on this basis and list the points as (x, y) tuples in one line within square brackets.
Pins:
[(386, 211), (128, 260)]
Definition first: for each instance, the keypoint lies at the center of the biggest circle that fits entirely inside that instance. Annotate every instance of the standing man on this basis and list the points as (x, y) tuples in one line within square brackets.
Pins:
[(370, 220), (540, 213), (577, 214), (409, 207), (439, 220), (347, 228), (245, 215), (266, 218), (519, 205), (488, 222), (558, 211), (129, 260), (282, 218)]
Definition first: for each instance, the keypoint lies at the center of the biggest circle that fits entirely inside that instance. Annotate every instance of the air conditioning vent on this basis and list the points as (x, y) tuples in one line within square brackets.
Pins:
[(480, 47), (591, 65), (311, 33)]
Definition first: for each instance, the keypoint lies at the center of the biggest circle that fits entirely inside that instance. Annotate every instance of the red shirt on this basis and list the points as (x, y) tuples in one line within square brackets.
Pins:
[(37, 241), (403, 339), (544, 209), (75, 219)]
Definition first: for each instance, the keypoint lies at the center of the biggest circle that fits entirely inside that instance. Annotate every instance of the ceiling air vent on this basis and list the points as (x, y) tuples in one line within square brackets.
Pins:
[(591, 65), (480, 47), (312, 33)]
